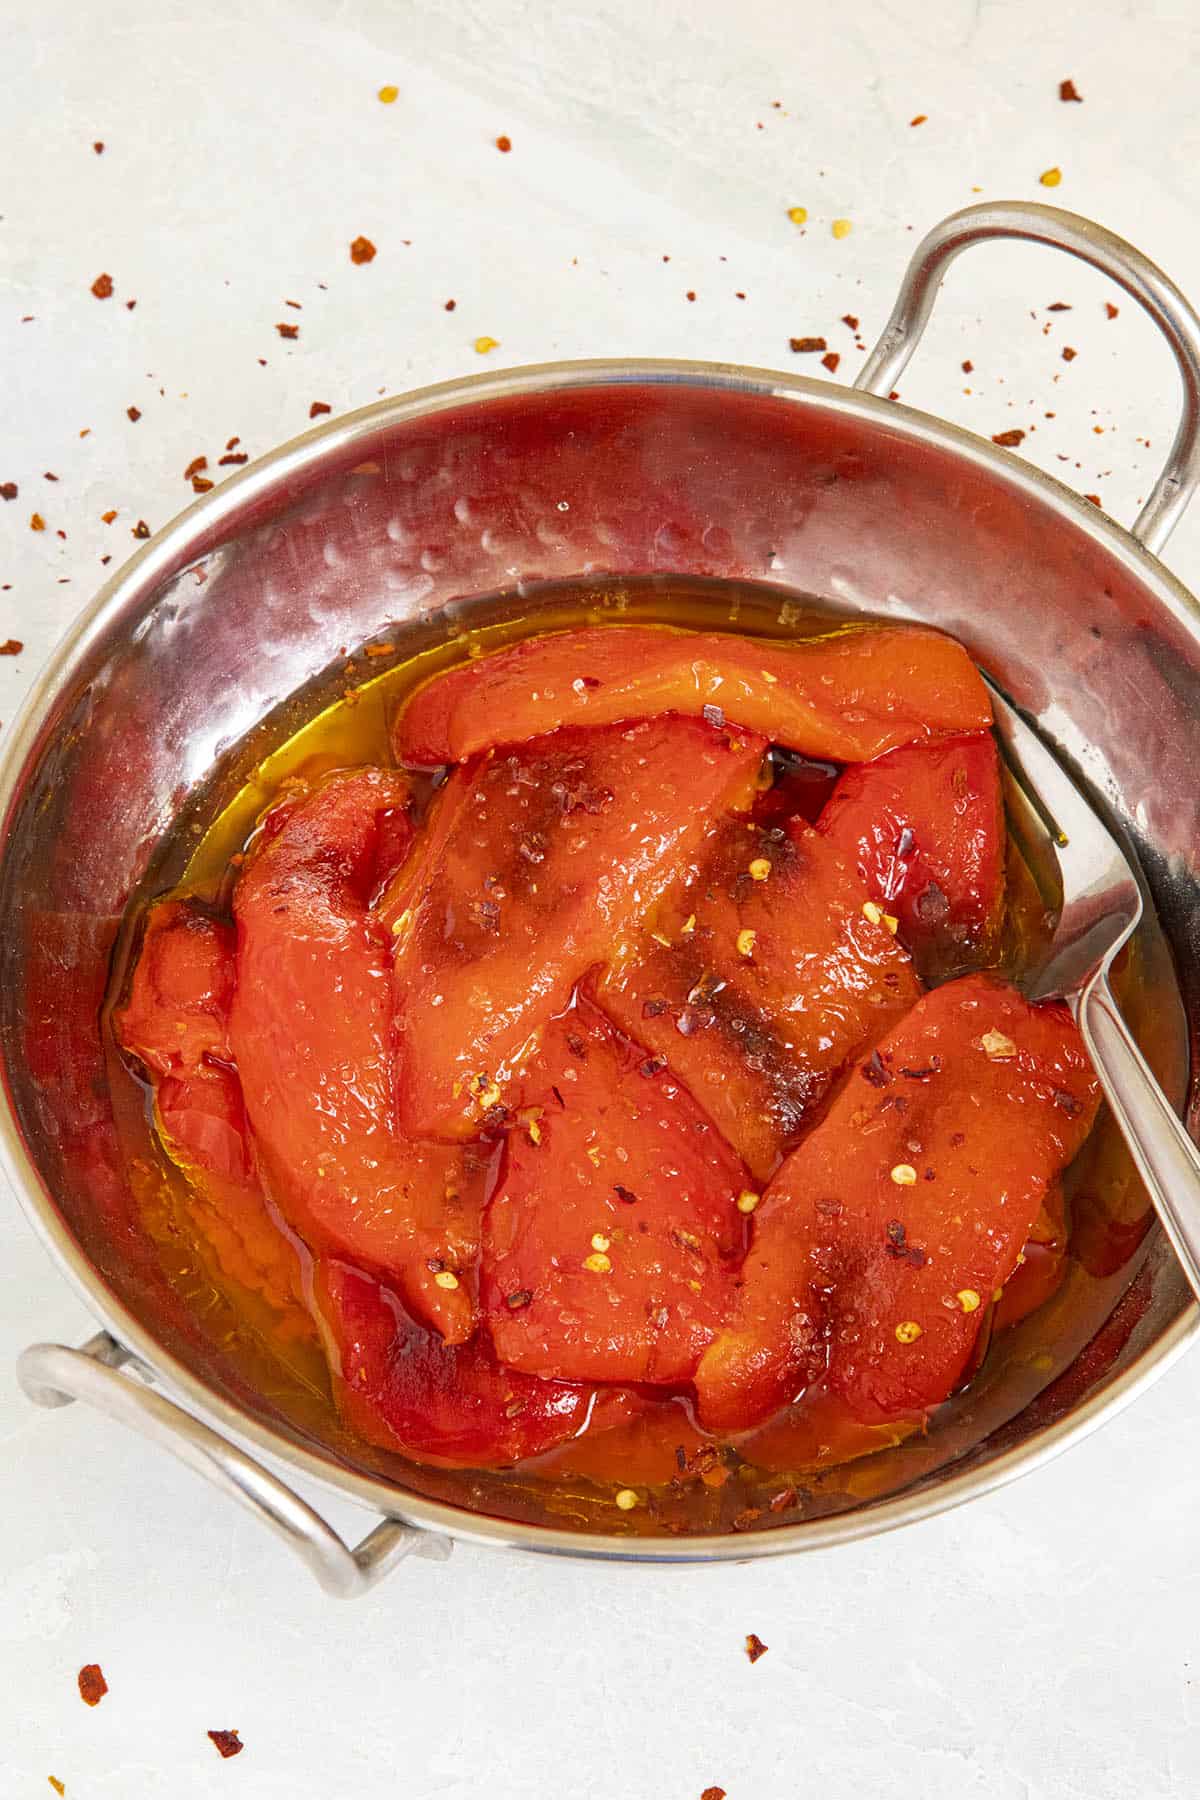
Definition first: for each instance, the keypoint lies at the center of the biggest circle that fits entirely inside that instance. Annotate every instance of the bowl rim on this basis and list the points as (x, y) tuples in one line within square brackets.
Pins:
[(170, 551)]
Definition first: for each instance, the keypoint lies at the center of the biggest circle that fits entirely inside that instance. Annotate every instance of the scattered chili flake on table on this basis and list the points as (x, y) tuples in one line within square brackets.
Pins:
[(1050, 177), (56, 1784), (1068, 91), (1094, 498), (11, 647), (92, 1685), (1111, 311), (1008, 439), (755, 1646), (98, 146), (830, 361), (133, 414), (1068, 354), (362, 250), (109, 516), (797, 214), (918, 120), (36, 522), (102, 287), (8, 490), (504, 143), (129, 305), (288, 331), (1059, 306), (850, 320), (806, 346), (317, 408), (713, 1793), (227, 1742), (141, 529), (194, 467), (388, 94), (484, 344), (201, 484), (450, 305), (691, 294), (234, 458), (968, 367), (841, 228)]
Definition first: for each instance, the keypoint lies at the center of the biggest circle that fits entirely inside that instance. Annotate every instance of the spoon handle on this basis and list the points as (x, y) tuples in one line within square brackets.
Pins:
[(1167, 1159)]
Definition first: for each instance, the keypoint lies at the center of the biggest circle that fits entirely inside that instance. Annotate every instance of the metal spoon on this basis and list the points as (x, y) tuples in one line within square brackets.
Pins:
[(1101, 908)]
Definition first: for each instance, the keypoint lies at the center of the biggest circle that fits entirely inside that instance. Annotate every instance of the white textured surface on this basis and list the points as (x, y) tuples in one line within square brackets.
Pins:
[(1039, 1644)]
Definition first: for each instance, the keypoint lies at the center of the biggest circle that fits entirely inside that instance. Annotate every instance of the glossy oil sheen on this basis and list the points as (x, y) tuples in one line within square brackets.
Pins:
[(796, 1466)]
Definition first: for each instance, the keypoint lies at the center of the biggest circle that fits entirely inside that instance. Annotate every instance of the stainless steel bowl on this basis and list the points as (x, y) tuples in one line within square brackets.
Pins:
[(402, 512)]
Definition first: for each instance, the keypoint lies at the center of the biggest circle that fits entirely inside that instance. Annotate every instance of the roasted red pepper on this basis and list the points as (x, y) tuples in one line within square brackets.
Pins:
[(400, 1386), (925, 828), (758, 979), (846, 696), (881, 1243), (611, 1245), (532, 864), (311, 1031)]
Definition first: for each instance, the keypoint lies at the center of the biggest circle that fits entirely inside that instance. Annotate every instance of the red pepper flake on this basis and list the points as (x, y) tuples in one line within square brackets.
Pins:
[(92, 1685), (918, 120), (968, 367), (227, 1742), (235, 457), (133, 414), (8, 490), (1110, 310), (1068, 91), (36, 522), (830, 361), (1068, 354), (48, 476), (294, 303), (194, 467), (850, 320), (738, 294), (233, 443), (317, 408), (11, 647), (755, 1646), (807, 346), (201, 484), (108, 517), (104, 560), (102, 287), (691, 293), (288, 331), (98, 146), (713, 1793), (450, 305), (1094, 498), (1059, 306), (362, 250), (129, 305), (1008, 439), (504, 143), (783, 1499), (55, 1783), (141, 529)]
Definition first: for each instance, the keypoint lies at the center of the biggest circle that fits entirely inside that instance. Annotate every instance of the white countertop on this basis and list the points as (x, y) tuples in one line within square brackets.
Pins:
[(1039, 1645)]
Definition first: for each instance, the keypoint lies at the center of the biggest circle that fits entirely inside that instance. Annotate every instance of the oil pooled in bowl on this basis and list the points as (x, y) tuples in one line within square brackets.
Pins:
[(243, 1273)]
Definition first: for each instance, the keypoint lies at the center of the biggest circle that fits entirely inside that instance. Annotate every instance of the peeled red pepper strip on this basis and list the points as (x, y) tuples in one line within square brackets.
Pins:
[(176, 1021), (847, 696), (925, 827), (399, 1386), (611, 1244), (311, 1031), (533, 863), (758, 979), (882, 1241)]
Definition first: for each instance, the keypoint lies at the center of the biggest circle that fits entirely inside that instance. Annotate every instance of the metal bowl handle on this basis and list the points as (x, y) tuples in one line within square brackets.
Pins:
[(1141, 280), (54, 1375)]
